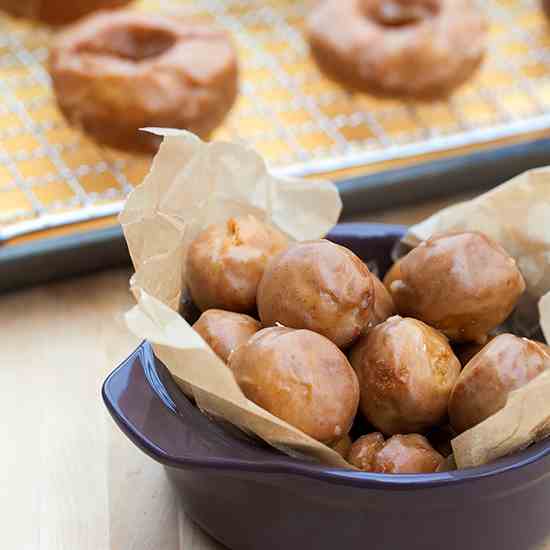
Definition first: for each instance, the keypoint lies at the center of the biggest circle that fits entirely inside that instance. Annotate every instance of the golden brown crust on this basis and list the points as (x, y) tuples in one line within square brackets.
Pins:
[(225, 331), (363, 451), (226, 261), (320, 286), (300, 377), (58, 12), (463, 284), (503, 365), (421, 48), (400, 454), (406, 372), (114, 73)]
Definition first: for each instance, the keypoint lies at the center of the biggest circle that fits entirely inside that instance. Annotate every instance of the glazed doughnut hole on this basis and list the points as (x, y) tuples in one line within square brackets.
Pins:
[(225, 331), (320, 286), (226, 261), (302, 378), (463, 284), (362, 453), (400, 454), (406, 372), (505, 364)]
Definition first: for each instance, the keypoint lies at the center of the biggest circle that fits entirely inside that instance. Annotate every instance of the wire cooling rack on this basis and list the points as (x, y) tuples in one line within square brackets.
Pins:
[(301, 122)]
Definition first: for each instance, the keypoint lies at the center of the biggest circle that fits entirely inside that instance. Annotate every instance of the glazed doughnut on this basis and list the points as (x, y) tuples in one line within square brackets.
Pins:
[(400, 454), (57, 12), (320, 286), (406, 372), (301, 377), (116, 72), (505, 364), (420, 48), (461, 283), (226, 261), (225, 331)]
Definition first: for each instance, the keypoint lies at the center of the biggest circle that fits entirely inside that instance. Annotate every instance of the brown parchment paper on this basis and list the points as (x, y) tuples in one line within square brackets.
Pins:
[(517, 215), (191, 185)]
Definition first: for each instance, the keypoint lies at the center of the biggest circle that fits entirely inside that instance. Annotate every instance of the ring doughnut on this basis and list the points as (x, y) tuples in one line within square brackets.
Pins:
[(116, 72), (419, 48), (57, 12)]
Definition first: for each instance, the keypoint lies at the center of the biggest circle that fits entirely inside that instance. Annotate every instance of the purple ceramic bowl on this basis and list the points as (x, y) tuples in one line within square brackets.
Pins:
[(249, 496)]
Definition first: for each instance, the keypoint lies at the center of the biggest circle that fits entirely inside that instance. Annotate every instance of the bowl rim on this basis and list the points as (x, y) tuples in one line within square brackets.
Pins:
[(283, 464)]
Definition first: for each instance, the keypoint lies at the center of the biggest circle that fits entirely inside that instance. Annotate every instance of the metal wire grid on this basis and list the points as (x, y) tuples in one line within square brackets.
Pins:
[(301, 122)]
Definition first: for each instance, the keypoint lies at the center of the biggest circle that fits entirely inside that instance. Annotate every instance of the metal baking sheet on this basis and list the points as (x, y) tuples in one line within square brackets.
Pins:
[(80, 251)]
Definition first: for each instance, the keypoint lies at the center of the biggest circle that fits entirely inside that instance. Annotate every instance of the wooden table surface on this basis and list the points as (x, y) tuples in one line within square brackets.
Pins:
[(68, 479)]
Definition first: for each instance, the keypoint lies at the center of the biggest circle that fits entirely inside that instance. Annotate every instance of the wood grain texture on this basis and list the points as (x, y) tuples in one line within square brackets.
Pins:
[(69, 480)]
